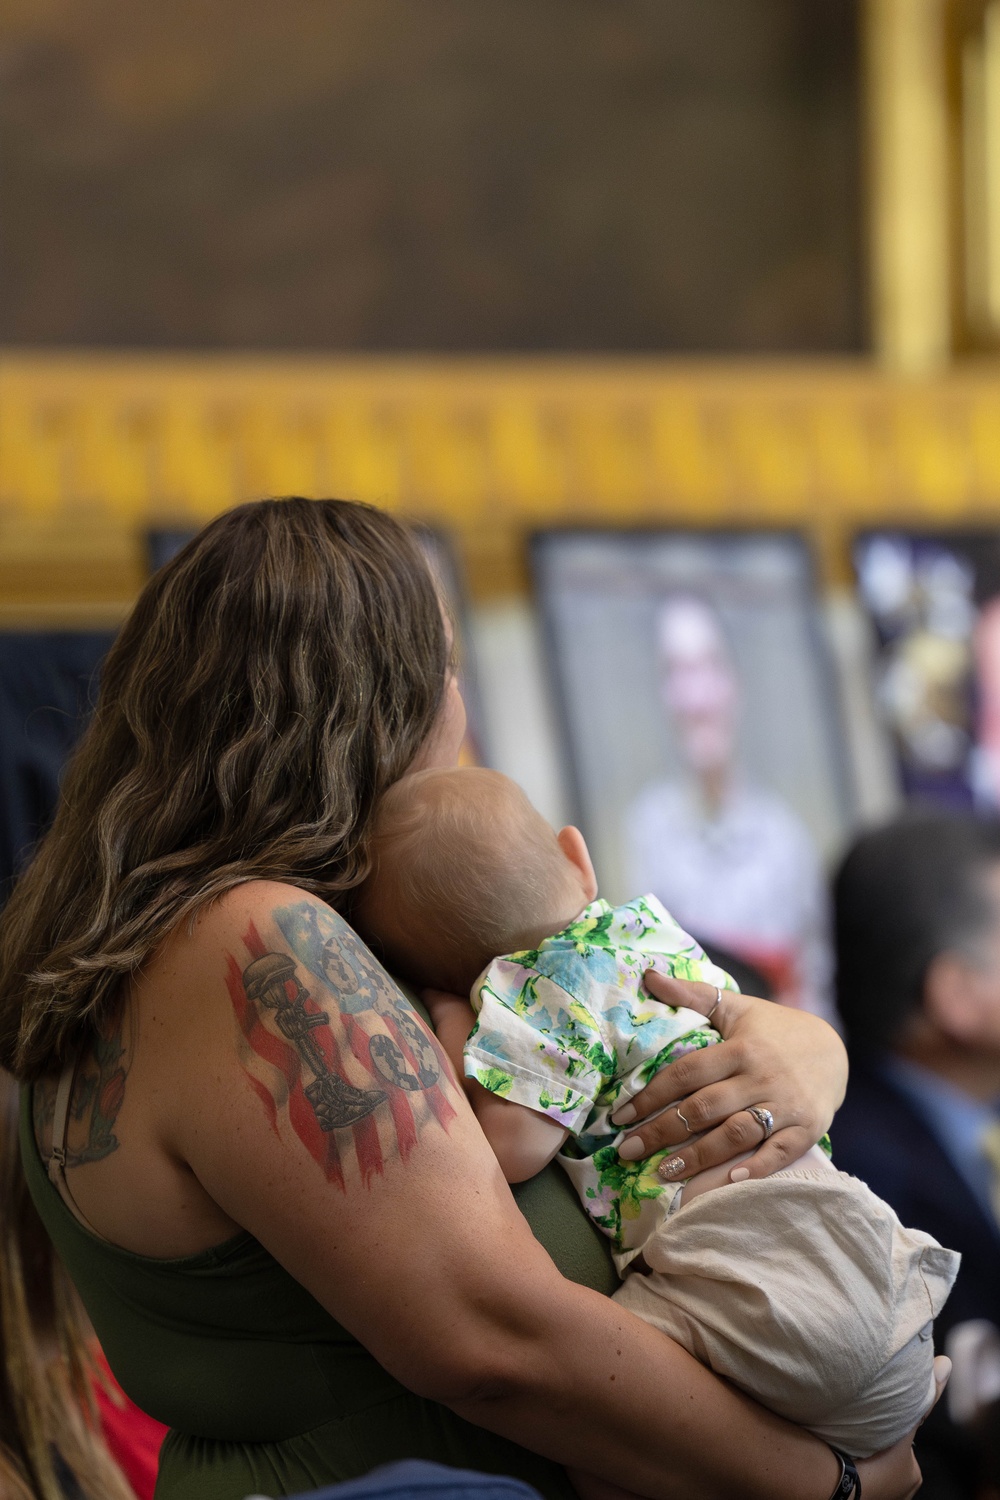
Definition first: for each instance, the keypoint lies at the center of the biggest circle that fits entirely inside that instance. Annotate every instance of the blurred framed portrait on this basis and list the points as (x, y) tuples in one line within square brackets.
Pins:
[(703, 733), (933, 598)]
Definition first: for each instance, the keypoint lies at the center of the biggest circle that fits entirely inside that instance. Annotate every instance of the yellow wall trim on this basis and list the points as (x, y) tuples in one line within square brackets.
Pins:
[(96, 447)]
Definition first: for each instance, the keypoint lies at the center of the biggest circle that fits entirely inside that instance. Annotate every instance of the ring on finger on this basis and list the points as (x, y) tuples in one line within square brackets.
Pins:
[(715, 1003), (764, 1119), (677, 1112)]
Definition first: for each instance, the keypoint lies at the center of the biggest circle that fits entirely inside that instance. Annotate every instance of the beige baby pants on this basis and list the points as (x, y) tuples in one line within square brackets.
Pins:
[(806, 1291)]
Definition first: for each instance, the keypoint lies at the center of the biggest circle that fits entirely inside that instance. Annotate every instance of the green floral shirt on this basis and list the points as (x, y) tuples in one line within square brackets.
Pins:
[(568, 1030)]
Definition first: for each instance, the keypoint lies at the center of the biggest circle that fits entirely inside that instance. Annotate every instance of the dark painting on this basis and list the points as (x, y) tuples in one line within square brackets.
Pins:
[(527, 174)]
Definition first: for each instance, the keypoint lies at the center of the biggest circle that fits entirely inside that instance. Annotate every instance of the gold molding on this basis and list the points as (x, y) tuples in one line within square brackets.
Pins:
[(910, 190), (94, 448)]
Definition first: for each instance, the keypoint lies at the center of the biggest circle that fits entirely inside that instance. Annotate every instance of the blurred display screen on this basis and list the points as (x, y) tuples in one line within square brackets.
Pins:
[(48, 686), (934, 601), (703, 732), (440, 553), (164, 543)]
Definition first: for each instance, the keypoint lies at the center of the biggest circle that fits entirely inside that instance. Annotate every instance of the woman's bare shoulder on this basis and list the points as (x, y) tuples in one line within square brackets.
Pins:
[(246, 914), (205, 961), (254, 900), (200, 970)]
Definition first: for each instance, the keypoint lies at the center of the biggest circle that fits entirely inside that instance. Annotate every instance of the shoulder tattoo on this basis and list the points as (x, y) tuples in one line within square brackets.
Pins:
[(330, 1046)]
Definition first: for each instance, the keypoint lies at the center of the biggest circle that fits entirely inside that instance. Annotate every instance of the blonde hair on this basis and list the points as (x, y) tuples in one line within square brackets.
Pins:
[(47, 1373), (463, 869)]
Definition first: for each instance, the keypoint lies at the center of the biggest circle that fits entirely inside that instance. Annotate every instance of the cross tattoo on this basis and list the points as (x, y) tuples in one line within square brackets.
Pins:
[(272, 981)]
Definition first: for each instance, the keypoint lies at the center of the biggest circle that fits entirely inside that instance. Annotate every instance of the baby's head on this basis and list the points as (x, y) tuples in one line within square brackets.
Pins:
[(464, 869)]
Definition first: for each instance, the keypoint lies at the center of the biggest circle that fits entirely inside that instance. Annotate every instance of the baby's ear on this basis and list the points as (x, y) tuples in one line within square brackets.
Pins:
[(574, 846)]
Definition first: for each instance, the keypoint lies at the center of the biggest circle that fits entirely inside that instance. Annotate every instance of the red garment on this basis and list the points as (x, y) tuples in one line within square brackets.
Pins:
[(134, 1440)]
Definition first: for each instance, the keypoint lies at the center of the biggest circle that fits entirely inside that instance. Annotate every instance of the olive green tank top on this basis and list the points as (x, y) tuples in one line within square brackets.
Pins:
[(262, 1390)]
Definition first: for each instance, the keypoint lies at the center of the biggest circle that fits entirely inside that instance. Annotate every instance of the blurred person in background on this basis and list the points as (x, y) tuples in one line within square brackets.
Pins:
[(63, 1421), (917, 931), (729, 859)]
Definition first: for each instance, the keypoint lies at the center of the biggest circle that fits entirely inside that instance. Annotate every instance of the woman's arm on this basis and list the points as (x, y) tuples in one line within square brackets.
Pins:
[(780, 1059), (318, 1113)]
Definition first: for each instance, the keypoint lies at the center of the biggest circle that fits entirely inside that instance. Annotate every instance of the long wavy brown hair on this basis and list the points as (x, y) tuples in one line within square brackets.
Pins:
[(48, 1417), (271, 682)]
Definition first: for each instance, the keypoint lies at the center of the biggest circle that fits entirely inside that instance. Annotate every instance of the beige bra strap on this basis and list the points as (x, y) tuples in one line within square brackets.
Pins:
[(60, 1123), (56, 1165)]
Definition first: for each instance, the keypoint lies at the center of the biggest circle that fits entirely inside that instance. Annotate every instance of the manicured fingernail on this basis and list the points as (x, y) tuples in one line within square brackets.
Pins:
[(739, 1174), (623, 1116), (631, 1149), (673, 1167)]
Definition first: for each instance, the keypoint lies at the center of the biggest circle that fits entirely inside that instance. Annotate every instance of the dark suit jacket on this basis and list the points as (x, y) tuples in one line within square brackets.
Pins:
[(878, 1137)]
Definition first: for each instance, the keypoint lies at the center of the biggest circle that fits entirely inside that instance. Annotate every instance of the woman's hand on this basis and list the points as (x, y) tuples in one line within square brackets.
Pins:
[(782, 1060), (895, 1474)]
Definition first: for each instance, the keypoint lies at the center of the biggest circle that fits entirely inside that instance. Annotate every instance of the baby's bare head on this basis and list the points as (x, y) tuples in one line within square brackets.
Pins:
[(463, 869)]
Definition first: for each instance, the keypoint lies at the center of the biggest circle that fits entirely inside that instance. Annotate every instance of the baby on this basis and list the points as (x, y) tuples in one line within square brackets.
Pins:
[(802, 1288)]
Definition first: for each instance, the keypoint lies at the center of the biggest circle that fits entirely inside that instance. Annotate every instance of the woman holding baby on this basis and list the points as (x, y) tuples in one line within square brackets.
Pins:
[(287, 1227)]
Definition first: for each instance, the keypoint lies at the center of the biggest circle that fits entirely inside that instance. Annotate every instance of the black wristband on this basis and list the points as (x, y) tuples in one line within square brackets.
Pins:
[(849, 1483)]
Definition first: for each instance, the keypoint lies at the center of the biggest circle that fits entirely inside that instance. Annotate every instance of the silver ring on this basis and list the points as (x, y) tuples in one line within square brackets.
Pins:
[(677, 1111), (764, 1118), (716, 1003)]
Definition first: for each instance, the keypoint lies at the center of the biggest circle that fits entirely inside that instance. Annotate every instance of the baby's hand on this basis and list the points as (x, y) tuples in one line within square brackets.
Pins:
[(452, 1018), (441, 1006)]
